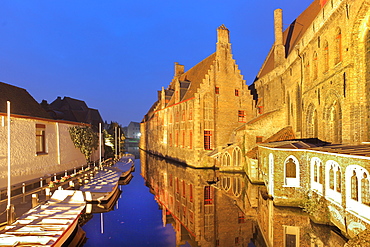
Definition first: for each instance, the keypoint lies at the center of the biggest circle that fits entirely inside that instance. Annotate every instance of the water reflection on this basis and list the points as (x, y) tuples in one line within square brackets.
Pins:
[(207, 207)]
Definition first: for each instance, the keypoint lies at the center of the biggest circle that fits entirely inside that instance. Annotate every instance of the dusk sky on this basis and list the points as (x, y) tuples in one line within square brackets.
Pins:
[(115, 55)]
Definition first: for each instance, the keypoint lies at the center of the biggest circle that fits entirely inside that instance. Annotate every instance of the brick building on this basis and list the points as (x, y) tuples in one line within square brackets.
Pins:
[(197, 113), (312, 89)]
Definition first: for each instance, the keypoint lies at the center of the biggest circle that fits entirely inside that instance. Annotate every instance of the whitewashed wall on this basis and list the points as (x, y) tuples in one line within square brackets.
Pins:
[(25, 163)]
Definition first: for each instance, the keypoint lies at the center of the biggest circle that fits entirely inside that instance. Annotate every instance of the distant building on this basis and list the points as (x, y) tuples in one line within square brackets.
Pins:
[(73, 110), (133, 130), (40, 145)]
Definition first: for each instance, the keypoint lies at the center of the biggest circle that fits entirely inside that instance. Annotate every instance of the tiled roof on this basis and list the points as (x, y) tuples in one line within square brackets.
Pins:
[(21, 102), (292, 35), (195, 75)]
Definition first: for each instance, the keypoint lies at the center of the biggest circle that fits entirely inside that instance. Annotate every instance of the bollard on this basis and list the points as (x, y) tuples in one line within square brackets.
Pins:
[(35, 200), (71, 184), (10, 214), (65, 173), (23, 193), (55, 177), (41, 182), (47, 193)]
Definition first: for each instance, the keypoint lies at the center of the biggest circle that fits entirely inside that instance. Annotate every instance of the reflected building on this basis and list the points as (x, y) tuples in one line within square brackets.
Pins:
[(208, 207)]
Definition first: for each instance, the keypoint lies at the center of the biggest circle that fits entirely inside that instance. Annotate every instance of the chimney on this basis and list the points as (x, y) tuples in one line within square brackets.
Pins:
[(223, 42), (279, 51), (179, 69)]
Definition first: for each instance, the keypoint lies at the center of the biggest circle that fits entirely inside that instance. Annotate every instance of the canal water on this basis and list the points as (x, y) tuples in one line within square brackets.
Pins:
[(134, 221), (169, 204)]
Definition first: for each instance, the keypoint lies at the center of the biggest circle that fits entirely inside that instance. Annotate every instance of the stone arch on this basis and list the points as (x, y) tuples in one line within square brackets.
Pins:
[(226, 159), (237, 157), (357, 180), (237, 186), (317, 174), (291, 172), (333, 180), (311, 122), (333, 118)]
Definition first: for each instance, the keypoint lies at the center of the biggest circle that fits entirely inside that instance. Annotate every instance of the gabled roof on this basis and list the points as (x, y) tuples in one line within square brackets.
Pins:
[(192, 78), (292, 35), (75, 110), (21, 102)]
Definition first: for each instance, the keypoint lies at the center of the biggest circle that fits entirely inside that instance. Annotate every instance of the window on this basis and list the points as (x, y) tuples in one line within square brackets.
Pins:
[(170, 137), (292, 172), (208, 195), (177, 186), (183, 115), (40, 139), (190, 139), (236, 92), (226, 159), (354, 186), (217, 90), (259, 139), (207, 140), (237, 157), (183, 189), (176, 138), (290, 169), (315, 66), (241, 217), (170, 180), (241, 116), (365, 198), (338, 46), (191, 192), (191, 114), (326, 56), (183, 138), (291, 238), (367, 55)]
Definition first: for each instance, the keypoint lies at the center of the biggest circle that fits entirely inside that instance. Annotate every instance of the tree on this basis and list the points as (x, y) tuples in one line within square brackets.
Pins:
[(85, 139)]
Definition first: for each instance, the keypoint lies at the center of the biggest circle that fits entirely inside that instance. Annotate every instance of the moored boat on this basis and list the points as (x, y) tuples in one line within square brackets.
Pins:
[(49, 224), (103, 186)]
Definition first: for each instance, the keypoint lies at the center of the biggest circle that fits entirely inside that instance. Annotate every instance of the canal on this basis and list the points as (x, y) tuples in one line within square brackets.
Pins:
[(169, 204)]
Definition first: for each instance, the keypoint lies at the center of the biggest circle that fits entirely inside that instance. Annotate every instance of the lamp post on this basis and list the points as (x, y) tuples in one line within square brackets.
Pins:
[(100, 145), (9, 208)]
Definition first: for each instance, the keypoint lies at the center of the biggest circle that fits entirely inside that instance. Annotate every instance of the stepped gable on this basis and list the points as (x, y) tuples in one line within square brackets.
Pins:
[(195, 76), (21, 102), (292, 35)]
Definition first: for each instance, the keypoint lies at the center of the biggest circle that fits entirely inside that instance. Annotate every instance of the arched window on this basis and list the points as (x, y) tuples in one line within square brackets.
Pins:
[(333, 118), (315, 66), (291, 172), (338, 180), (226, 183), (237, 157), (226, 160), (333, 181), (237, 186), (317, 174), (354, 186), (365, 197), (208, 117), (326, 56), (311, 122), (367, 55), (290, 169), (331, 178), (338, 46)]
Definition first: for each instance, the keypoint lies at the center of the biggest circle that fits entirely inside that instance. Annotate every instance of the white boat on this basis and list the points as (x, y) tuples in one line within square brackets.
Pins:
[(102, 186), (49, 224)]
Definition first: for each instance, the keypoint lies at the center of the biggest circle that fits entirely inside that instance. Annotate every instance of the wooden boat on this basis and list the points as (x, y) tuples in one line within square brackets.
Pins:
[(51, 224), (103, 186), (103, 207), (126, 180)]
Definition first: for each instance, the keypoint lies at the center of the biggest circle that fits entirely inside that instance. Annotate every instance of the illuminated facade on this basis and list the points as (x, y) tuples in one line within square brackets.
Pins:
[(313, 89), (199, 110)]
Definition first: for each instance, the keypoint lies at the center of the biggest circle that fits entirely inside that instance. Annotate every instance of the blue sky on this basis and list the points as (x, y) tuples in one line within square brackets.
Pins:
[(116, 54)]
